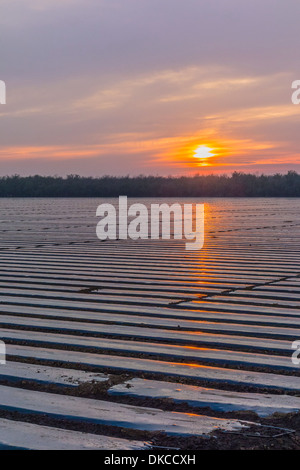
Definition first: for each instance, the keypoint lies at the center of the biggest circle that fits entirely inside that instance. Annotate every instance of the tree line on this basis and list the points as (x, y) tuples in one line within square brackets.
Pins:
[(235, 185)]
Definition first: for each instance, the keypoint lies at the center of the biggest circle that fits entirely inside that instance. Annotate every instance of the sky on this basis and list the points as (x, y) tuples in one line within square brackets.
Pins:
[(160, 87)]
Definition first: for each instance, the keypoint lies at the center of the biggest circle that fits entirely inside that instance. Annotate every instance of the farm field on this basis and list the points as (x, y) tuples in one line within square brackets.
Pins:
[(141, 344)]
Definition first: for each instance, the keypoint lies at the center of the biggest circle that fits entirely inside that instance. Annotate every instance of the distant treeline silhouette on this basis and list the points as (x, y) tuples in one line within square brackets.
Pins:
[(236, 185)]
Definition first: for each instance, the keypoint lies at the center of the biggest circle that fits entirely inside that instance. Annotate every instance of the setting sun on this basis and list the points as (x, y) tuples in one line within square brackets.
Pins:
[(203, 152)]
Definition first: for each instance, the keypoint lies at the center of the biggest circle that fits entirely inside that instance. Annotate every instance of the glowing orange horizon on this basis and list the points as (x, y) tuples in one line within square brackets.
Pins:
[(210, 152), (188, 152)]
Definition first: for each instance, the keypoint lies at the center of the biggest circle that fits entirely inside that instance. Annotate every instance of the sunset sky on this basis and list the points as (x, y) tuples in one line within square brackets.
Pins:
[(149, 86)]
